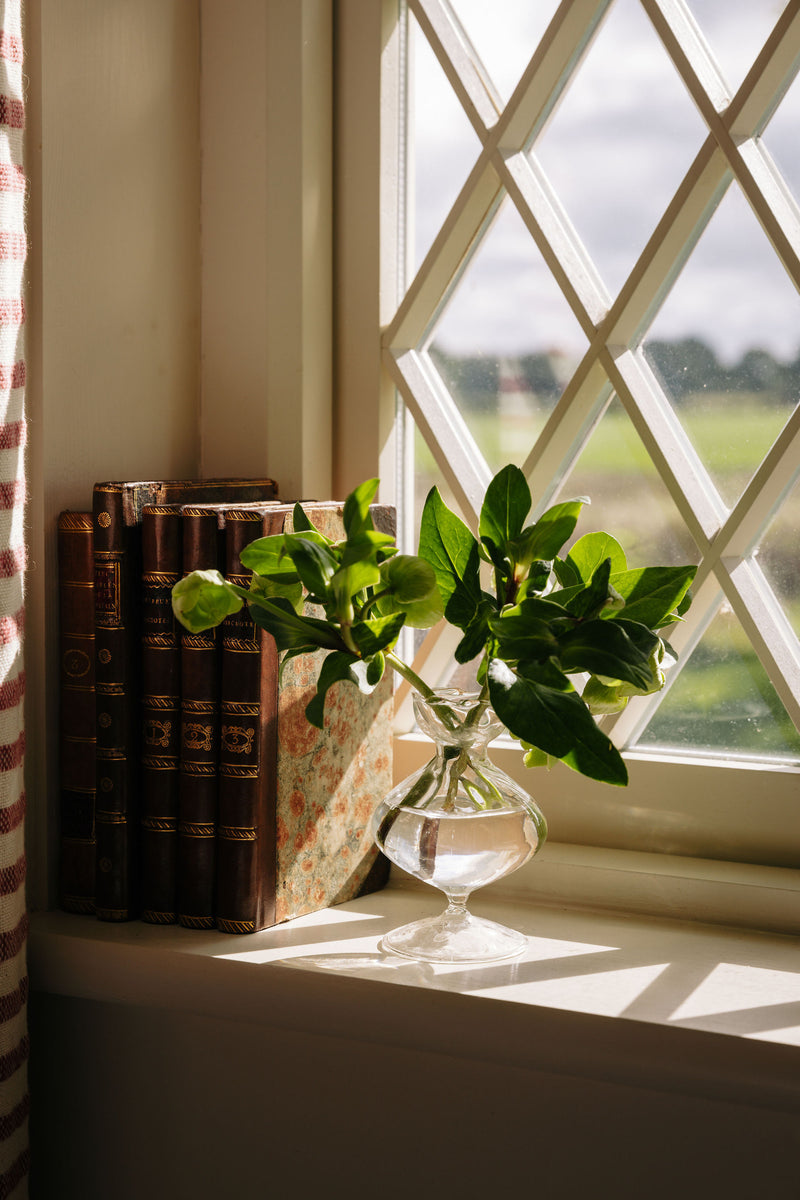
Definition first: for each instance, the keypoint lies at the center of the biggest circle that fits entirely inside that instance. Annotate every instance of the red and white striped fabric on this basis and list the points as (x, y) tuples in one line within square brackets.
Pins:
[(13, 919)]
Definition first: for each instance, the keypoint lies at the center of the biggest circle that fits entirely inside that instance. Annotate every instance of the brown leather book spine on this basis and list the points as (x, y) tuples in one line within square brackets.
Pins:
[(117, 512), (247, 810), (117, 557), (77, 712), (161, 713), (199, 744)]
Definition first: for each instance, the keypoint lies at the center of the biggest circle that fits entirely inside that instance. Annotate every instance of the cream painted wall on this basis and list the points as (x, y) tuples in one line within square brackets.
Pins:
[(113, 307)]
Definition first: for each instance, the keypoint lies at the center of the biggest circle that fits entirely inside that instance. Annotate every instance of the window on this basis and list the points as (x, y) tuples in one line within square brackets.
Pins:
[(602, 286)]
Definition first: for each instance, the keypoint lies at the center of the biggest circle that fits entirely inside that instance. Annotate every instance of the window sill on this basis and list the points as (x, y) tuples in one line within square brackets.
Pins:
[(641, 1001)]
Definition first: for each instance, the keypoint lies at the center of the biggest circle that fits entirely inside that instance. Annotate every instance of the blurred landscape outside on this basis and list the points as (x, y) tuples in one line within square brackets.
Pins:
[(725, 344)]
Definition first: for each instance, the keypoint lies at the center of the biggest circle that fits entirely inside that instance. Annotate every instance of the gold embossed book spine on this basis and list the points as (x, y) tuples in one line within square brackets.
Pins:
[(77, 711), (199, 737), (161, 713), (247, 811), (117, 526), (117, 509)]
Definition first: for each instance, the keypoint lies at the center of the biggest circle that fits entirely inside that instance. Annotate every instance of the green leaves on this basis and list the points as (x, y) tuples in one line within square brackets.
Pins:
[(314, 562), (521, 555), (203, 599), (590, 551), (505, 506), (408, 585), (531, 615), (356, 509), (292, 631), (544, 539), (650, 594), (337, 668), (523, 636), (451, 550), (604, 648), (267, 557), (554, 721)]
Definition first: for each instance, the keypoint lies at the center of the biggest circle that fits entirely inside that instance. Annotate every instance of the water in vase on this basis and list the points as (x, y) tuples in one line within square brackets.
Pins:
[(462, 851)]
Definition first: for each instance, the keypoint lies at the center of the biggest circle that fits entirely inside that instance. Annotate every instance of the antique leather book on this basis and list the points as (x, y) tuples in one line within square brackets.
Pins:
[(117, 513), (294, 801), (161, 713), (199, 736), (77, 718)]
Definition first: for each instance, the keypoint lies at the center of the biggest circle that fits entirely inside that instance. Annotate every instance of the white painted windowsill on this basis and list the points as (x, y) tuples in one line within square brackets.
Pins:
[(673, 1005)]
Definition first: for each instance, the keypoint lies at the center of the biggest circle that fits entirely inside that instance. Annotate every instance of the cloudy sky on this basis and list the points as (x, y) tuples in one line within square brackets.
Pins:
[(615, 151)]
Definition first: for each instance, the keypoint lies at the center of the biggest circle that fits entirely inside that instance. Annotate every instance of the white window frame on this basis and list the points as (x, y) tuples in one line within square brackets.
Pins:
[(718, 818)]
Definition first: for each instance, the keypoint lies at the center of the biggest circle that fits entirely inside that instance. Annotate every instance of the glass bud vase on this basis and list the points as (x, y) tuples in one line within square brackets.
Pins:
[(459, 823)]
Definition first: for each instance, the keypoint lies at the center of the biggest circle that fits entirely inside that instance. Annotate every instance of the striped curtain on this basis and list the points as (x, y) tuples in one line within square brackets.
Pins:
[(13, 919)]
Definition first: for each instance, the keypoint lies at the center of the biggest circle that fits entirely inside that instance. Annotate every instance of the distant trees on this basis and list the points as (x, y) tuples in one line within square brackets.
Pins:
[(476, 380), (686, 368), (690, 367)]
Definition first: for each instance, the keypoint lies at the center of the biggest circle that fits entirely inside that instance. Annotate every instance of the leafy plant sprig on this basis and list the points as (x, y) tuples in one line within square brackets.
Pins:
[(545, 619)]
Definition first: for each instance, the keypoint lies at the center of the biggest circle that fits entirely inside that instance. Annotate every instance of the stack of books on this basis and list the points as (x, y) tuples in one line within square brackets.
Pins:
[(192, 788)]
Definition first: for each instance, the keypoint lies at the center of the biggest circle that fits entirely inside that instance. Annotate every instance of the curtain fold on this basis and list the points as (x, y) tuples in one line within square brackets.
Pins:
[(14, 1152)]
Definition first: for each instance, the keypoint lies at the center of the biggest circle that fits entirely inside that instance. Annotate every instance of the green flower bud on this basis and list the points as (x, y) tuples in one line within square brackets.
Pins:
[(202, 600)]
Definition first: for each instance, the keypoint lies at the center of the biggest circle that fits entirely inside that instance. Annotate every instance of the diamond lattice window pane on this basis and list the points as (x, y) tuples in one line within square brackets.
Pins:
[(628, 497), (722, 701), (736, 30), (507, 343), (620, 140), (443, 144), (779, 558), (726, 345), (505, 35)]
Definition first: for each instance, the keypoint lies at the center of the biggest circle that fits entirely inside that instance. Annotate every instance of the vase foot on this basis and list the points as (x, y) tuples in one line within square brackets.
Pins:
[(455, 938)]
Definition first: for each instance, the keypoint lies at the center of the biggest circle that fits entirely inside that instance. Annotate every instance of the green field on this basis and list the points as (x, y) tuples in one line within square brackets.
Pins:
[(723, 700)]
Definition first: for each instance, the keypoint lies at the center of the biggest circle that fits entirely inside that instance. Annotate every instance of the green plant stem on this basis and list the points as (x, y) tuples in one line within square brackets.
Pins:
[(368, 605), (454, 778), (409, 675), (475, 714)]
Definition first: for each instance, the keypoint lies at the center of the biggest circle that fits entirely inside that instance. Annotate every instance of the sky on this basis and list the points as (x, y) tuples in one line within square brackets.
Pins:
[(615, 150)]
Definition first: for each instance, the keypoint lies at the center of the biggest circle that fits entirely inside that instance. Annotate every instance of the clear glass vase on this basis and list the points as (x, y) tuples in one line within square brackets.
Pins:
[(459, 823)]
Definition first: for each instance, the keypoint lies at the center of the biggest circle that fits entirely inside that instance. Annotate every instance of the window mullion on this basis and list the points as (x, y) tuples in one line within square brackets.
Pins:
[(624, 728), (558, 445), (764, 493), (456, 452), (667, 444), (471, 213), (764, 623), (667, 251), (768, 79), (681, 35), (559, 53), (748, 165), (460, 63), (561, 248)]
